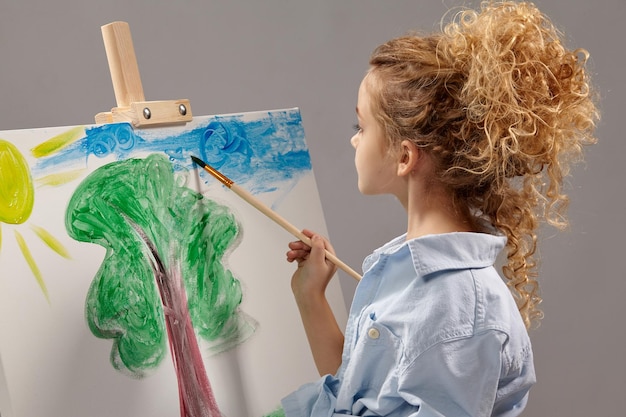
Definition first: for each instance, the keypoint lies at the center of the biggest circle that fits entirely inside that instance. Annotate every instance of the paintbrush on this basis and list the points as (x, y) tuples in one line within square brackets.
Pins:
[(256, 203)]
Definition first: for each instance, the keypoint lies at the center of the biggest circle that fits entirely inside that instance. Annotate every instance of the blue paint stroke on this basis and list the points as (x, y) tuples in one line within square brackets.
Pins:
[(261, 152)]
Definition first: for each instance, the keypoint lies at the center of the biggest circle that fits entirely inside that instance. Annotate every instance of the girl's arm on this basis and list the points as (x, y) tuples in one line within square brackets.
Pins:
[(309, 284)]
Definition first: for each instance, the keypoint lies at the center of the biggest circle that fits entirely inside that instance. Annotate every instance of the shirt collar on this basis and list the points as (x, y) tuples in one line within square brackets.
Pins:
[(433, 253)]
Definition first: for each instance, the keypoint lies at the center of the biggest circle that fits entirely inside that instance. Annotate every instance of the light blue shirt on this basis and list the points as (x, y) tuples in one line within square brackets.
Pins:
[(433, 331)]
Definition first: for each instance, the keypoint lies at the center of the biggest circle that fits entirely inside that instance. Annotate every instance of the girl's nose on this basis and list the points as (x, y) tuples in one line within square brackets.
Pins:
[(354, 140)]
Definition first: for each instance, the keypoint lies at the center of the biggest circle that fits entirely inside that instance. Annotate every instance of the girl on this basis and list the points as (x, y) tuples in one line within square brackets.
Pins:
[(472, 129)]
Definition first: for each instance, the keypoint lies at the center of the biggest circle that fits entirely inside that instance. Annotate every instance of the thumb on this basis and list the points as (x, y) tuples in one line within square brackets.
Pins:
[(318, 254)]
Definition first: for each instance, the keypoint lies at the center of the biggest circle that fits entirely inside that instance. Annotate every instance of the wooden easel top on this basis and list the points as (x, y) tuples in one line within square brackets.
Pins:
[(132, 106)]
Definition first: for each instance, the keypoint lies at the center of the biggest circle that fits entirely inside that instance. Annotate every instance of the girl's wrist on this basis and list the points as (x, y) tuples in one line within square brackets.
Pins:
[(310, 301)]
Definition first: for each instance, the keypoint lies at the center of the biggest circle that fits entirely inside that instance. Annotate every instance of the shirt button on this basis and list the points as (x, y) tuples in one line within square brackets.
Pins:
[(373, 333)]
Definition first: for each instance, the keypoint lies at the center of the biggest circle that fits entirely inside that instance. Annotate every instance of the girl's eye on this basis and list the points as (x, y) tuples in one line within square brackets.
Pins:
[(357, 128)]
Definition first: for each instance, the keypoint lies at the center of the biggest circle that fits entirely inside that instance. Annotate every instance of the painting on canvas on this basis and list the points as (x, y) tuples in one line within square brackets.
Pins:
[(133, 283)]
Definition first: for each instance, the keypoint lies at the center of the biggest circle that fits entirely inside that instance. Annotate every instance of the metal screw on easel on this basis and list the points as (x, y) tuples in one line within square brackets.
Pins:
[(182, 109), (147, 114)]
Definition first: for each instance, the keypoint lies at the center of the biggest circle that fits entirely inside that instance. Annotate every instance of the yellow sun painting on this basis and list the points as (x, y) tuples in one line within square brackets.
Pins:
[(17, 196)]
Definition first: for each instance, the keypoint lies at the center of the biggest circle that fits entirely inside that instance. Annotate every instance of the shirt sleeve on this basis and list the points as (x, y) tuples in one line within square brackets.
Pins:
[(315, 399), (458, 377)]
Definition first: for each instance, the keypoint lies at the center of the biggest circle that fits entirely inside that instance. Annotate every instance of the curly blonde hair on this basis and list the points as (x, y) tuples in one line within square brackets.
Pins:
[(503, 108)]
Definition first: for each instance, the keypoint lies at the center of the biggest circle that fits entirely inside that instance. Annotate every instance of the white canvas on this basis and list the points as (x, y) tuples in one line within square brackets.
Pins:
[(55, 366)]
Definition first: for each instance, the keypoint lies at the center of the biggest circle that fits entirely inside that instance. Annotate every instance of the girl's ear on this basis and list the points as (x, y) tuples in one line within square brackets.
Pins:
[(409, 155)]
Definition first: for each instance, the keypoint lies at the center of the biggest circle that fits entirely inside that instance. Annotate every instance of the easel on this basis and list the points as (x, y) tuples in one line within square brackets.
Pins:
[(132, 106)]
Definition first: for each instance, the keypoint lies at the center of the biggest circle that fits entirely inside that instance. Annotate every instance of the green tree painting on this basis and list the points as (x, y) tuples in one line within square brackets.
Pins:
[(162, 280)]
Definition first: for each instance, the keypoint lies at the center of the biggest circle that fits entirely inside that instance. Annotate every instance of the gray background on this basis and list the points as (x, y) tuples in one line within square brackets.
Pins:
[(232, 55)]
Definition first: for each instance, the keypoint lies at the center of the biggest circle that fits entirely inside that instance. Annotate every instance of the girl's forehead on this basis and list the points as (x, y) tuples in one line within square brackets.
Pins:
[(367, 81), (364, 93)]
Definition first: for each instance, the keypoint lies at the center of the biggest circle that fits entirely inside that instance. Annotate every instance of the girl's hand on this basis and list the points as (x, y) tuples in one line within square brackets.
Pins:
[(309, 284), (314, 270)]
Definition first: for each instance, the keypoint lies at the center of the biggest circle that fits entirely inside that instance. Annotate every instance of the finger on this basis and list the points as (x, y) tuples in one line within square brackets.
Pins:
[(328, 246), (298, 245), (299, 255)]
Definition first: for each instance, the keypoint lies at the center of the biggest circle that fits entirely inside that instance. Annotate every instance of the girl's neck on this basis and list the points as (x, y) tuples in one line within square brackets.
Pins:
[(435, 222), (435, 213), (431, 207)]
